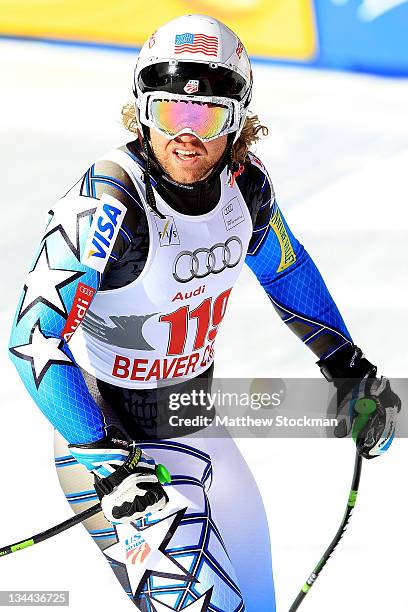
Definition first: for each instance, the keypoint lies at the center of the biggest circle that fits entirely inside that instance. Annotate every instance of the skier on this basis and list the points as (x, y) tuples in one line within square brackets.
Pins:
[(124, 299)]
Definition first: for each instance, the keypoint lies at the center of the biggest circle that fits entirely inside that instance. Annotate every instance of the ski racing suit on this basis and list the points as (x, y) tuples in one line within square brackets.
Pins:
[(120, 299)]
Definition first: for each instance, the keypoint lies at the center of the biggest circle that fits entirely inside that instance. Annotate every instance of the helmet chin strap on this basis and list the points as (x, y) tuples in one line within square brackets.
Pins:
[(230, 156), (151, 200)]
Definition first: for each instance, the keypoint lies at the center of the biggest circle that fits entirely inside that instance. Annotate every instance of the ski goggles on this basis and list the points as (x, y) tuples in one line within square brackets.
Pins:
[(174, 114)]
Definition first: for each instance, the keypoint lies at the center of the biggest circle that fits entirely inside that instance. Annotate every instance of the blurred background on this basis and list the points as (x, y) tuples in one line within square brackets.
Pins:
[(330, 83), (364, 35)]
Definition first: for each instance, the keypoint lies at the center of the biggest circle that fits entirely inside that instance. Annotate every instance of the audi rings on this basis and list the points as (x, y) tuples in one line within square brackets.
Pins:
[(202, 262)]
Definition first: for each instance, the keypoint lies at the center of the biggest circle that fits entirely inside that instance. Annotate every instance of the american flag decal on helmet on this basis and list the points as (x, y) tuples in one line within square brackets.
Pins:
[(191, 87), (196, 43)]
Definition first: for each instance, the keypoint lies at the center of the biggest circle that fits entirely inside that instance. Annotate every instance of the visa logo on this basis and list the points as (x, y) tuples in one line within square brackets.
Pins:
[(105, 227)]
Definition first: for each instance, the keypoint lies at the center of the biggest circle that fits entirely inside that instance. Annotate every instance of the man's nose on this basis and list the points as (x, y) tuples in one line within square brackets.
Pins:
[(186, 137)]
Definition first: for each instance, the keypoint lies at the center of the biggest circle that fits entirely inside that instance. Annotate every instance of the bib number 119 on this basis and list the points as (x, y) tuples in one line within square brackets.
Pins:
[(208, 316)]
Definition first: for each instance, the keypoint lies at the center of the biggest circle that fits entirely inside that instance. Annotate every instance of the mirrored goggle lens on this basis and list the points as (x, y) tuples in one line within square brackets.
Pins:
[(205, 120)]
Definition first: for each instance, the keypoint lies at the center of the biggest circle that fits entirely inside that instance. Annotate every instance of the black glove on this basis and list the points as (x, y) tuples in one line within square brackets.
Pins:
[(126, 479), (366, 406)]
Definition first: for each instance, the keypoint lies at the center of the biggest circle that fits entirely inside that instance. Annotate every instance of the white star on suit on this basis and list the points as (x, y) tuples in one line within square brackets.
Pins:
[(42, 351), (200, 605), (66, 219), (43, 284), (155, 560)]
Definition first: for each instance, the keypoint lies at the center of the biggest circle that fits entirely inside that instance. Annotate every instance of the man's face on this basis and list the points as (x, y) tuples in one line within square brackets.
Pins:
[(178, 162)]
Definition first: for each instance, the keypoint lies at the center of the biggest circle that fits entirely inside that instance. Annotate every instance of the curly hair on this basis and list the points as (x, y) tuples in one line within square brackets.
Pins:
[(251, 132)]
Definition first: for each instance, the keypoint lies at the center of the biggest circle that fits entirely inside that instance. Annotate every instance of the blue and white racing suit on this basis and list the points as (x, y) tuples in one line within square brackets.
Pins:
[(119, 300)]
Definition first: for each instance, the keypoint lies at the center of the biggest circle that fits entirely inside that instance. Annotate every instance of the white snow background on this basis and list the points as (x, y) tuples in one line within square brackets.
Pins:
[(338, 156)]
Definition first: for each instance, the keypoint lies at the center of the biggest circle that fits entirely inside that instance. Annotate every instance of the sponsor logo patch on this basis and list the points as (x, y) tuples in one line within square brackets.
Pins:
[(82, 299), (288, 256), (191, 86), (105, 227), (232, 214), (188, 294), (203, 261), (152, 40), (137, 549), (158, 369), (167, 230)]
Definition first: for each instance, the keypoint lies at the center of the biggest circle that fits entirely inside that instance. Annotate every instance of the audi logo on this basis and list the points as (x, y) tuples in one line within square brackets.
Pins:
[(202, 262), (86, 290)]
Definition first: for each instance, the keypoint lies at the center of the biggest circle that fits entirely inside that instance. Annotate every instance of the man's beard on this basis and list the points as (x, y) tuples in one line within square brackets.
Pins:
[(186, 177)]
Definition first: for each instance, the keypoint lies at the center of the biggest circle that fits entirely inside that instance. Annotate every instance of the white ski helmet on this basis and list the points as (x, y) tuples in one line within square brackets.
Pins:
[(194, 58)]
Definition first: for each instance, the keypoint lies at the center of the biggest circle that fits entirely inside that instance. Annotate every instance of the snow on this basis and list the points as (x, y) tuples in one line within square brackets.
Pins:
[(337, 153)]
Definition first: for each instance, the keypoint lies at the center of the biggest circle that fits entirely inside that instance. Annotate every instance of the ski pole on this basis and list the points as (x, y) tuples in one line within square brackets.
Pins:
[(364, 408), (343, 526), (49, 533), (162, 474)]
